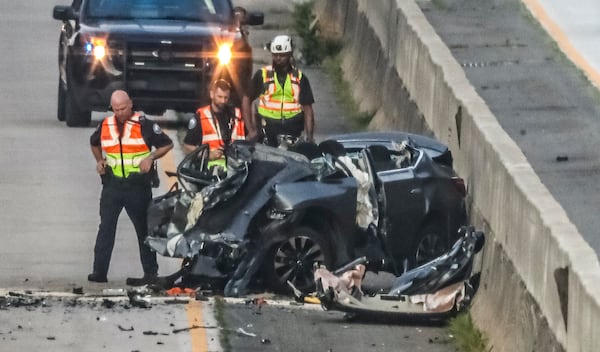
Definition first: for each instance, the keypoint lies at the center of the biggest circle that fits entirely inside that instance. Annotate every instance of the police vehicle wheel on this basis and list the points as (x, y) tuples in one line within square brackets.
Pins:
[(294, 259), (60, 104), (74, 116)]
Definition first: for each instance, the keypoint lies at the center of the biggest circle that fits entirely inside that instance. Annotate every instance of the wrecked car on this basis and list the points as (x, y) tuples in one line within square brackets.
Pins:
[(391, 197), (435, 290)]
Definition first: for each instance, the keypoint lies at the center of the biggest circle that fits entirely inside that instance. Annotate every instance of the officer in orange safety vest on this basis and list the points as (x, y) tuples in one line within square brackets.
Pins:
[(125, 146), (284, 96), (217, 124)]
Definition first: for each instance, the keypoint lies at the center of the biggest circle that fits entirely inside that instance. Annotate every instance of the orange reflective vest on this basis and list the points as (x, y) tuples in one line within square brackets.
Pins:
[(124, 153), (279, 102), (211, 133)]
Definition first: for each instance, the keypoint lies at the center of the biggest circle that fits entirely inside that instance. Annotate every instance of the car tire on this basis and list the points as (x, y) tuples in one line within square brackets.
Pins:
[(60, 104), (430, 243), (74, 115), (294, 259)]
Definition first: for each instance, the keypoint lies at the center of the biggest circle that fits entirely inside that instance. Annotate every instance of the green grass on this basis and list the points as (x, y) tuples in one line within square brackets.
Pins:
[(467, 337), (314, 48), (326, 52), (333, 67)]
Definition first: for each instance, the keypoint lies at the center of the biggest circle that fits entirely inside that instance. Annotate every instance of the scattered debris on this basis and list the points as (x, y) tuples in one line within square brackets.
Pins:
[(265, 341), (149, 332), (241, 331), (107, 303), (78, 290), (561, 158), (177, 301), (178, 291), (177, 331), (113, 292), (137, 301), (51, 338), (125, 329)]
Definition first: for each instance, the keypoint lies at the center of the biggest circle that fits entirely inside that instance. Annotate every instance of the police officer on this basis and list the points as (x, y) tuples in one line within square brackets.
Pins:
[(217, 124), (284, 95), (122, 146)]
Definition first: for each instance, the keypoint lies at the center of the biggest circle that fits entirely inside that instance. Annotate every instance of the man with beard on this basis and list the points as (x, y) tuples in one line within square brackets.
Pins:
[(217, 124), (284, 95)]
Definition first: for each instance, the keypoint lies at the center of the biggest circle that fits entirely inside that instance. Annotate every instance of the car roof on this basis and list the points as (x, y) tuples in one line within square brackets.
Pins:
[(431, 146)]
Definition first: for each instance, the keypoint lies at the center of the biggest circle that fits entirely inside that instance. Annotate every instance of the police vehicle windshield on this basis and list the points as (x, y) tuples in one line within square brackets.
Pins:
[(185, 10)]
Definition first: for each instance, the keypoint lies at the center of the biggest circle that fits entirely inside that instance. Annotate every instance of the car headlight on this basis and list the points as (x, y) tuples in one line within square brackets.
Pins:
[(224, 54)]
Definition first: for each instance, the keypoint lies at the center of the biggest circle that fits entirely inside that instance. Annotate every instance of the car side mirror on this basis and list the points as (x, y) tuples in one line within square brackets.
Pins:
[(254, 18), (64, 13)]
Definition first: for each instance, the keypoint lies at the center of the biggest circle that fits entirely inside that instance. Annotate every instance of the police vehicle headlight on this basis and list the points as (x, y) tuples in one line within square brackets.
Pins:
[(224, 54), (96, 47)]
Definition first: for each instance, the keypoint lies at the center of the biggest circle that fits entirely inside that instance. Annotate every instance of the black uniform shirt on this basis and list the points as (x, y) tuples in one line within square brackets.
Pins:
[(257, 88), (225, 120), (151, 132)]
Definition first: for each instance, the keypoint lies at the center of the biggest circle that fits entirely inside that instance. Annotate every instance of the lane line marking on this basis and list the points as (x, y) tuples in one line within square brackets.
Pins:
[(197, 336), (553, 29)]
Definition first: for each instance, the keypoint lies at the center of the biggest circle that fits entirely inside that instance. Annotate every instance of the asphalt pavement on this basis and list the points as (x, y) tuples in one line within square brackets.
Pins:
[(543, 101)]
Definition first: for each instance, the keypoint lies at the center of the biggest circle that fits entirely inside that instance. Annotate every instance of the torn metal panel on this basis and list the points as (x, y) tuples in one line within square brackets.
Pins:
[(435, 290)]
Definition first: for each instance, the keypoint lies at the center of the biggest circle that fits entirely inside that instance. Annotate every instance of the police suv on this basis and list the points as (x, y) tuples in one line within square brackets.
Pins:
[(164, 53)]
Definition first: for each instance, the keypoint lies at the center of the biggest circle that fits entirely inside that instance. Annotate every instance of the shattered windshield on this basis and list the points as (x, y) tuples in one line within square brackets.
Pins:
[(188, 10)]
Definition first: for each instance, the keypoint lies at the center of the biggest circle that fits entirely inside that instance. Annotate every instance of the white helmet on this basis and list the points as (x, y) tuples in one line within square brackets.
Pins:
[(281, 44)]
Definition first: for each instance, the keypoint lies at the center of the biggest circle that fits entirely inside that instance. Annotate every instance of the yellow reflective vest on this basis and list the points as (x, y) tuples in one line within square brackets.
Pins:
[(279, 102), (123, 153)]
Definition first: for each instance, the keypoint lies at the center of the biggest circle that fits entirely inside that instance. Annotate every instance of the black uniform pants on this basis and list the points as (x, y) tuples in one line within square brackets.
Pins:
[(134, 196)]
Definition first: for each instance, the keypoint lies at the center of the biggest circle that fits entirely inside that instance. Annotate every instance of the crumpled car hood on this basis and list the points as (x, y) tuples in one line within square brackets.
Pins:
[(228, 206)]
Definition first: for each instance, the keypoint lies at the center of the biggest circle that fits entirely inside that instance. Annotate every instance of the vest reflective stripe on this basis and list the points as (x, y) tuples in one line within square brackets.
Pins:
[(279, 102), (124, 156), (211, 134), (221, 162)]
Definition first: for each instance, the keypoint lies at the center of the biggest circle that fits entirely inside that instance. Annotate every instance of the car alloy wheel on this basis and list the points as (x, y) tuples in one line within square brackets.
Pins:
[(431, 244), (294, 259)]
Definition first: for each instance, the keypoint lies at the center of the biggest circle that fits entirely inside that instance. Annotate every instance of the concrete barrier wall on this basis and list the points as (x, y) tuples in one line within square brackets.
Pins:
[(540, 287)]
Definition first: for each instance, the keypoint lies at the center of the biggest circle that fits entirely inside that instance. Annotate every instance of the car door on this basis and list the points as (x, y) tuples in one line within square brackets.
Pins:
[(401, 203)]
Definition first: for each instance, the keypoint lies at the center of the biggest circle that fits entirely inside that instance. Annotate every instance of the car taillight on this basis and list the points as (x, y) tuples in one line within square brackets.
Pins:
[(459, 183)]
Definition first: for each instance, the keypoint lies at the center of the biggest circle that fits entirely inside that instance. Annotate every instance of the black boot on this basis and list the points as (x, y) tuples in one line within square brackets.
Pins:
[(95, 277)]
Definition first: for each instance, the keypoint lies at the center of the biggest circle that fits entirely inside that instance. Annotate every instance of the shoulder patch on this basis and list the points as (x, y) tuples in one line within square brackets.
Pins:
[(192, 123), (156, 128)]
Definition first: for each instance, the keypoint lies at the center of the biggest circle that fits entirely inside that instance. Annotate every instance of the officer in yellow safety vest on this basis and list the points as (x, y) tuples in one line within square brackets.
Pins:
[(284, 96), (123, 148), (217, 124)]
